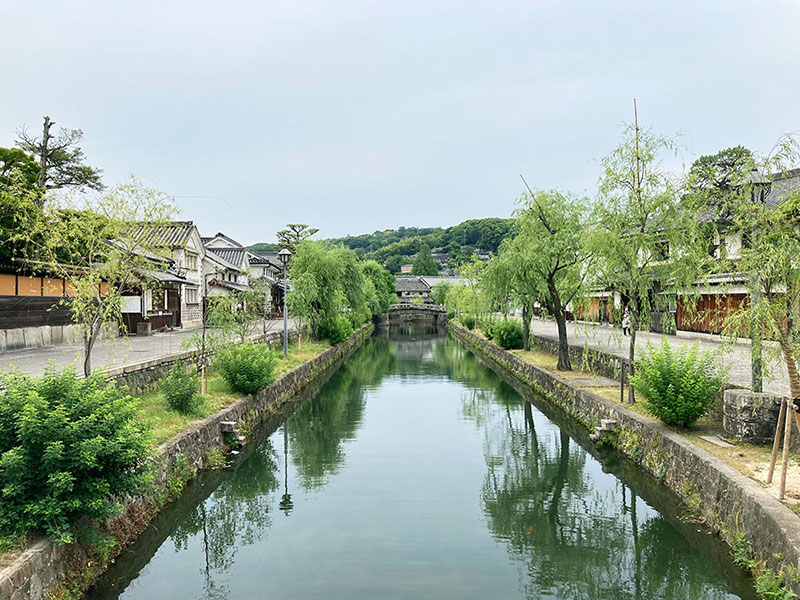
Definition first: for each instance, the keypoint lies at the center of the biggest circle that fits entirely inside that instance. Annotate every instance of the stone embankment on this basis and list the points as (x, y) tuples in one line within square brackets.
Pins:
[(730, 503), (44, 566)]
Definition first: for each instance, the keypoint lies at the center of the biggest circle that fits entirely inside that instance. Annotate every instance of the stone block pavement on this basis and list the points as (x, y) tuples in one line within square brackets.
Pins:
[(108, 353), (736, 356)]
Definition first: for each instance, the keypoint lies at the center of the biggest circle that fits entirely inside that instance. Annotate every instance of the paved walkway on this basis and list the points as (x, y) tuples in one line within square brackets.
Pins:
[(110, 353), (737, 357)]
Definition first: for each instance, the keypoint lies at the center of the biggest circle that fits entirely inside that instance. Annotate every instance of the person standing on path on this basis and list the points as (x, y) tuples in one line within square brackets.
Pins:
[(626, 321)]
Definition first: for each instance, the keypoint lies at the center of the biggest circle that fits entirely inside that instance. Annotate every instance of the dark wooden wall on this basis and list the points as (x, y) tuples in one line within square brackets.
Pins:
[(32, 311)]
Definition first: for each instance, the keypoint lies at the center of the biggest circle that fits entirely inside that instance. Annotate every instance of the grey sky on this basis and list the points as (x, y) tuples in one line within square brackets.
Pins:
[(356, 116)]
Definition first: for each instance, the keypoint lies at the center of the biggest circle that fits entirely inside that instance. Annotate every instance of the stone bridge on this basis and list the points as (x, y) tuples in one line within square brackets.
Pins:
[(408, 313)]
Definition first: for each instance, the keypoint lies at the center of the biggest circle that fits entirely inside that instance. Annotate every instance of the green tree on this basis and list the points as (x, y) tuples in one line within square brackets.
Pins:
[(61, 160), (384, 283), (761, 208), (425, 264), (439, 292), (551, 224), (294, 234), (509, 280), (103, 246), (394, 262), (471, 271), (20, 216), (638, 226), (16, 160)]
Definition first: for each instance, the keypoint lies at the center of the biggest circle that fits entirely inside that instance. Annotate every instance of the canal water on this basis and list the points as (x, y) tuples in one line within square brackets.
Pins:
[(416, 472)]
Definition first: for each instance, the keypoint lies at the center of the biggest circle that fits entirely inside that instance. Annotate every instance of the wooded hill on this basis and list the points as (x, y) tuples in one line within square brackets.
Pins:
[(396, 245)]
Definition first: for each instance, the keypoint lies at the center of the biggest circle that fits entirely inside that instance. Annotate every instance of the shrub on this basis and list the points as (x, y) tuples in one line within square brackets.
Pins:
[(468, 321), (247, 368), (451, 314), (335, 330), (508, 334), (181, 388), (678, 386), (66, 447), (486, 325)]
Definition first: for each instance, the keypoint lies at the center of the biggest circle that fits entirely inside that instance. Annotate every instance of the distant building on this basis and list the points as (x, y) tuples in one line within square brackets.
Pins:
[(411, 288), (406, 269)]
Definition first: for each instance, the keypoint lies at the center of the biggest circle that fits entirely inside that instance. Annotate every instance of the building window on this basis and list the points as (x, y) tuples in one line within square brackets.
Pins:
[(192, 297), (191, 261)]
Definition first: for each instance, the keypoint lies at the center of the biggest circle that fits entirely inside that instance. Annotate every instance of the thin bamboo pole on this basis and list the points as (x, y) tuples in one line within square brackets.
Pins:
[(777, 443), (787, 435)]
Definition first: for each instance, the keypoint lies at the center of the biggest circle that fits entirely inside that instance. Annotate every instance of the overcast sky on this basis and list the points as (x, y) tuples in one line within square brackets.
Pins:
[(357, 116)]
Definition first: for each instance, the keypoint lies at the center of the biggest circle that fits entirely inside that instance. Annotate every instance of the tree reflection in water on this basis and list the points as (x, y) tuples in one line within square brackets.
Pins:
[(564, 528)]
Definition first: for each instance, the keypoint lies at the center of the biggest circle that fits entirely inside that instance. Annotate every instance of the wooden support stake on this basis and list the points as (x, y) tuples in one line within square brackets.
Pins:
[(776, 444), (787, 435), (622, 383)]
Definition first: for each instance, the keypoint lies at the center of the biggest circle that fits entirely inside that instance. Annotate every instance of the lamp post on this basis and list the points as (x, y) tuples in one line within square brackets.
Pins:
[(284, 256)]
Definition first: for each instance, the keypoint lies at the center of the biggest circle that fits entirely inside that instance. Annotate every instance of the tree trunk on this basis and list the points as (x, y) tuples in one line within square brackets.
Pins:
[(88, 346), (526, 328), (557, 308), (791, 365), (632, 348), (564, 363)]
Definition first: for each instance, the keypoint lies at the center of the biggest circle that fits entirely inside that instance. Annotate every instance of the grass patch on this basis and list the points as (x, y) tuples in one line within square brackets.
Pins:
[(165, 423)]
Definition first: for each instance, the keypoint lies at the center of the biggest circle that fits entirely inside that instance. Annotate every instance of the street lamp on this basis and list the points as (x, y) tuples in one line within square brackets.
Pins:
[(284, 256)]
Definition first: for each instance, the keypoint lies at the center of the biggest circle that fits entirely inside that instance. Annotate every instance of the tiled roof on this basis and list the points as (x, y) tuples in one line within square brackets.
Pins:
[(175, 234), (234, 256), (783, 185), (213, 256), (411, 284)]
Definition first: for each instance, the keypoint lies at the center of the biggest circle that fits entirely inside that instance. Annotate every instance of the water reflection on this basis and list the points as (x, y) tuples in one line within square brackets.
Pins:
[(417, 472)]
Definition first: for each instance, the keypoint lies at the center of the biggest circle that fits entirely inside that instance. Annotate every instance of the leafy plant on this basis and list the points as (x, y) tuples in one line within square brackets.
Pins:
[(508, 334), (678, 386), (247, 368), (769, 586), (181, 387), (468, 321), (66, 447), (742, 551), (336, 330)]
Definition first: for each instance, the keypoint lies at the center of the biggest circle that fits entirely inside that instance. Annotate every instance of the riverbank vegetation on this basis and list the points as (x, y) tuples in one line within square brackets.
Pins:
[(68, 445), (333, 292)]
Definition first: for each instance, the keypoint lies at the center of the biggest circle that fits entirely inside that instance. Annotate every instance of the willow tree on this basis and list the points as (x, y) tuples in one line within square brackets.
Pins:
[(552, 223), (638, 226), (760, 210), (98, 246), (508, 280)]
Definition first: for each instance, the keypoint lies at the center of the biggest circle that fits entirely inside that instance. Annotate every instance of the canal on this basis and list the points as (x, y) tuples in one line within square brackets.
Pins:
[(416, 472)]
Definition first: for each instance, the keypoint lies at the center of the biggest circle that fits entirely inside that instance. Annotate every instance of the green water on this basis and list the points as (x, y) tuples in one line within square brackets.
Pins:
[(416, 472)]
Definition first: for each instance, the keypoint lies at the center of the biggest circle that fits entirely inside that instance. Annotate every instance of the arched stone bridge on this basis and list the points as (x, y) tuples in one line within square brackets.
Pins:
[(408, 312)]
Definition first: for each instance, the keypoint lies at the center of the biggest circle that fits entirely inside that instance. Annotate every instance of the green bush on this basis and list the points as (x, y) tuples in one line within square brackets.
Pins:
[(486, 326), (335, 330), (247, 368), (451, 314), (508, 334), (66, 447), (181, 388), (678, 386), (468, 321)]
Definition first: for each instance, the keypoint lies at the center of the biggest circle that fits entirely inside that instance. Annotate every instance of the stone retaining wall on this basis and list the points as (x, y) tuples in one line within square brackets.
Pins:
[(40, 569), (143, 376), (727, 500)]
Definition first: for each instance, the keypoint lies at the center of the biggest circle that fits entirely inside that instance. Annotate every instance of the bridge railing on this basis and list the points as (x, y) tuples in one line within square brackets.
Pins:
[(438, 308)]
